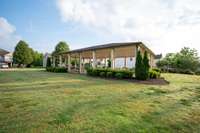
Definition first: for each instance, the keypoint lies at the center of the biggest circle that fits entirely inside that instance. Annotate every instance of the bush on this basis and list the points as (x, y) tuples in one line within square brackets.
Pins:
[(109, 74), (157, 70), (56, 69), (154, 74), (119, 75), (102, 74)]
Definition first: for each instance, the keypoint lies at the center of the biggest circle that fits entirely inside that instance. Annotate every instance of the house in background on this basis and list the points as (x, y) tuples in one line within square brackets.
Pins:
[(6, 59)]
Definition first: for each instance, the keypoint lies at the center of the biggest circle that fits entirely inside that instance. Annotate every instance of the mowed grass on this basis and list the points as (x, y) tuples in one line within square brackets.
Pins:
[(38, 101)]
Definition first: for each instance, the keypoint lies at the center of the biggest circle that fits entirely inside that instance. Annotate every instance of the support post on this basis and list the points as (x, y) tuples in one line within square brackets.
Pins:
[(69, 63), (94, 59), (80, 63), (125, 61), (65, 61), (112, 59), (54, 61), (60, 60)]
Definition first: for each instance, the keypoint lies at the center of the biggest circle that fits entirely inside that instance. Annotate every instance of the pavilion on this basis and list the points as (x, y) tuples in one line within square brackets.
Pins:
[(120, 55)]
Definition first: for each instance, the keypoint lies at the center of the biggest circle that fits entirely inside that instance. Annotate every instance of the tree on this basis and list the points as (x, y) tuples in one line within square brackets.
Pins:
[(139, 67), (146, 65), (22, 54), (48, 62), (61, 47), (37, 58), (185, 61)]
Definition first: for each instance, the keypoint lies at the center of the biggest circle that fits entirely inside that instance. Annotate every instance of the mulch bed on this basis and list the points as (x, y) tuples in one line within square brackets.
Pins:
[(159, 81)]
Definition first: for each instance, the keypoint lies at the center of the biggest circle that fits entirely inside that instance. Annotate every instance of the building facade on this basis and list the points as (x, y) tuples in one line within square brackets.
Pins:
[(6, 59)]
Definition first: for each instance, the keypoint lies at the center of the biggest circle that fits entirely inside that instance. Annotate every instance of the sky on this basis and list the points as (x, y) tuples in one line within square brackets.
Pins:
[(163, 25)]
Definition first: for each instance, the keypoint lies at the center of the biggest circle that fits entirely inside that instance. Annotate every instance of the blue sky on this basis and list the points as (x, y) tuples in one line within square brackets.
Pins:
[(163, 25), (39, 23)]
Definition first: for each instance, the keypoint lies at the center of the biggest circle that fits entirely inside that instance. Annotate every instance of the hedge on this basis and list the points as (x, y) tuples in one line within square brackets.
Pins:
[(110, 73), (56, 69)]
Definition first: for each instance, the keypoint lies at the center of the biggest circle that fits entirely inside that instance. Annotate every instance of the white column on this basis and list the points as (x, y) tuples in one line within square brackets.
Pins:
[(54, 61), (80, 63), (65, 61), (69, 63), (94, 59), (125, 61), (112, 59), (60, 60)]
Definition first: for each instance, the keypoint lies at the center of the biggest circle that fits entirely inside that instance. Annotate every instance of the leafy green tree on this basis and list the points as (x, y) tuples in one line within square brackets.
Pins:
[(146, 65), (182, 62), (61, 47), (22, 54), (37, 59), (139, 67)]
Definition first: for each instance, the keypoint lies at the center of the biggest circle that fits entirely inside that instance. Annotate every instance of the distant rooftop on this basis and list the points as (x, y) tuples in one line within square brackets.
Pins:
[(3, 52)]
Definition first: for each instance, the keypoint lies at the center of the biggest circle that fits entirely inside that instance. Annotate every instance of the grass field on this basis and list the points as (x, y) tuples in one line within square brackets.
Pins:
[(38, 101)]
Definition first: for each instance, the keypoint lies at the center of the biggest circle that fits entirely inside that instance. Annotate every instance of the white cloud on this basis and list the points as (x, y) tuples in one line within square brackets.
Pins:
[(165, 25), (8, 38)]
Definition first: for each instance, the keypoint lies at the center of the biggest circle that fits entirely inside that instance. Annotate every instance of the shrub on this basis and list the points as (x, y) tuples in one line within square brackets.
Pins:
[(157, 70), (87, 66), (119, 75), (109, 74), (154, 74), (102, 74)]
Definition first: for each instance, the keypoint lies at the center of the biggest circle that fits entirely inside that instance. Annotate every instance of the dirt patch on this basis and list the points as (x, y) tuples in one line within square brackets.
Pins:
[(159, 81)]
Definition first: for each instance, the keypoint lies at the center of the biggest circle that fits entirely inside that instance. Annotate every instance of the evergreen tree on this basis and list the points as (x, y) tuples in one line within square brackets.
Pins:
[(48, 62), (146, 65), (138, 66)]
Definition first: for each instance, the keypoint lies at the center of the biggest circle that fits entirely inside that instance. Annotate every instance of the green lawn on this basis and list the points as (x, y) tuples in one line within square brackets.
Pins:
[(38, 101)]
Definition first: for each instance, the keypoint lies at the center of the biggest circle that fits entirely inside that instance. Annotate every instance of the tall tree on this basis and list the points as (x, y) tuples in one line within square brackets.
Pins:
[(61, 47), (22, 54), (146, 65), (139, 67)]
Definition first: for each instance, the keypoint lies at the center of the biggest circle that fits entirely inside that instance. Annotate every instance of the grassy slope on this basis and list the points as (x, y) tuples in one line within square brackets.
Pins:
[(35, 101)]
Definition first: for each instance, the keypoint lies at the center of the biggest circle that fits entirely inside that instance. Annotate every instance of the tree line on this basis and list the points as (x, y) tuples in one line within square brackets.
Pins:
[(186, 61), (24, 56)]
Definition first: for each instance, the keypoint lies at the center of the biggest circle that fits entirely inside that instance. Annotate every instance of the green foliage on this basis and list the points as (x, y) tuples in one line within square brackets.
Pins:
[(22, 54), (38, 59), (146, 65), (48, 62), (109, 63), (61, 47), (154, 74), (87, 66), (110, 73), (141, 66), (102, 74), (119, 75), (157, 70), (185, 61), (56, 69)]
